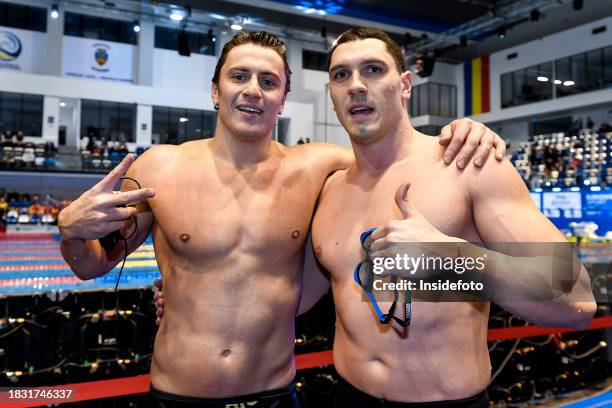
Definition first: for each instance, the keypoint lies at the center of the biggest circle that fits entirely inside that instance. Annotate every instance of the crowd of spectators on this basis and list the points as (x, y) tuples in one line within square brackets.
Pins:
[(563, 160), (16, 208), (16, 153), (102, 154)]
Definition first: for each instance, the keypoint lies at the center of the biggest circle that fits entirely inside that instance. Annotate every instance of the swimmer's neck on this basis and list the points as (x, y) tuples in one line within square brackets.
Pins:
[(241, 151), (374, 158)]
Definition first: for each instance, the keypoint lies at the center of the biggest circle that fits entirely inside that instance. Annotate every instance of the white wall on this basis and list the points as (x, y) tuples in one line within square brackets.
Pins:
[(327, 128), (51, 108), (443, 73), (301, 124), (514, 132), (315, 80), (174, 71), (69, 117), (102, 90), (144, 125)]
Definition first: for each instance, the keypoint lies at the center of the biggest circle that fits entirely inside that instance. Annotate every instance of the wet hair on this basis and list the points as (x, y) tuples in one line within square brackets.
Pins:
[(261, 38), (363, 33)]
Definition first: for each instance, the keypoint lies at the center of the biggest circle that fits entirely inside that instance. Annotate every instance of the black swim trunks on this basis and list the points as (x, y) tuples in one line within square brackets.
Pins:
[(347, 396), (285, 397)]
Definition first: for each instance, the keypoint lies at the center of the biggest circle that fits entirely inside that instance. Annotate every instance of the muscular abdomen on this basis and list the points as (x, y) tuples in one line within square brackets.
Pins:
[(228, 329), (441, 356)]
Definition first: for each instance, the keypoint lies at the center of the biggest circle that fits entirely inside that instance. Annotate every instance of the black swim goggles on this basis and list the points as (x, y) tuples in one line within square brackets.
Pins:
[(109, 241), (364, 276)]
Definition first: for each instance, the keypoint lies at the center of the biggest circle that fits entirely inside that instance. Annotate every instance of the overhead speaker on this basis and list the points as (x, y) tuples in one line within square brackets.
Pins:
[(424, 65), (578, 4)]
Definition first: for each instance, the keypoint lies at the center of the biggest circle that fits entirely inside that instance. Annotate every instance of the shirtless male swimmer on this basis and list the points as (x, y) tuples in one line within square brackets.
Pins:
[(441, 359), (229, 218)]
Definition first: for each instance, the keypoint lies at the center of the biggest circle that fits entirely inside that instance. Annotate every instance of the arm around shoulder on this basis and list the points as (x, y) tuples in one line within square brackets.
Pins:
[(332, 157)]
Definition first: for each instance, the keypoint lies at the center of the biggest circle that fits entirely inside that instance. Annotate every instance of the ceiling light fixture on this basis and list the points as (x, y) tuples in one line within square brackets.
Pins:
[(54, 11)]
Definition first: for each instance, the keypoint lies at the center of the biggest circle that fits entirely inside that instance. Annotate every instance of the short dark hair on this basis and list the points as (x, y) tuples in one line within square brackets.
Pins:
[(261, 38), (363, 33)]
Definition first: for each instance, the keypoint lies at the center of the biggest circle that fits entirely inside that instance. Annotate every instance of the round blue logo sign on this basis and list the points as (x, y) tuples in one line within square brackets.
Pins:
[(10, 46)]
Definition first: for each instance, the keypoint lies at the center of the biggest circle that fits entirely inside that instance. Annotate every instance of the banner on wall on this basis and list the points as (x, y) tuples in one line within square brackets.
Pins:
[(95, 59), (21, 50)]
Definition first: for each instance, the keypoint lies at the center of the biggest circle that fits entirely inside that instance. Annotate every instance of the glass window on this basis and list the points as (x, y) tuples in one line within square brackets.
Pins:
[(519, 87), (90, 119), (314, 60), (109, 120), (80, 25), (579, 74), (24, 17), (199, 43), (535, 90), (445, 100), (544, 89), (194, 125), (73, 25), (507, 94), (31, 115), (19, 16), (209, 123), (37, 19), (177, 128), (564, 74), (422, 107), (177, 125), (434, 99), (160, 125), (107, 114), (412, 102), (9, 111), (595, 68), (21, 112), (126, 121), (607, 67)]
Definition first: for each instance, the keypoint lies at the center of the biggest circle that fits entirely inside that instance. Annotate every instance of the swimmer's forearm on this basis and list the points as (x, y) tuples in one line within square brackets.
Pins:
[(557, 302), (86, 258), (536, 287)]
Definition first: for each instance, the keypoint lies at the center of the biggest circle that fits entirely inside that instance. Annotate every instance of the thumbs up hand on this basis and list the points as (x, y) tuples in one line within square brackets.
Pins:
[(411, 236), (412, 227)]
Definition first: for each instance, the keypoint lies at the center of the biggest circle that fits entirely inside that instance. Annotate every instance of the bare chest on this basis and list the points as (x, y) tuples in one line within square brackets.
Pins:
[(213, 215), (348, 209)]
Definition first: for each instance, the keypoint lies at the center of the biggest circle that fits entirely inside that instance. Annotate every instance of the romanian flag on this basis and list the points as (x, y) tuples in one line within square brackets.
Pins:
[(476, 79)]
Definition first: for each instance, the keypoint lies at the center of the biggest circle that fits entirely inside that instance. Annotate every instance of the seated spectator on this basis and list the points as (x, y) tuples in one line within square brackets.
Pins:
[(19, 139), (7, 140), (122, 145), (604, 128), (50, 147)]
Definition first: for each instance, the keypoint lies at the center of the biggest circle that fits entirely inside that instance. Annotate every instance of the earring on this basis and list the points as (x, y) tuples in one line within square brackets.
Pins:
[(280, 112), (216, 106)]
